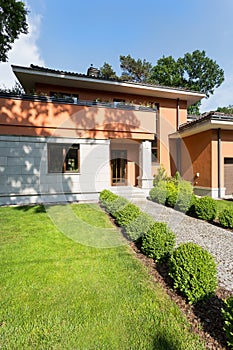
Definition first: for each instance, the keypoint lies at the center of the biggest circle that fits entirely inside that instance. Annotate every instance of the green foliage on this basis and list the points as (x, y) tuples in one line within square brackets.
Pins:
[(206, 208), (127, 214), (225, 110), (116, 205), (106, 197), (160, 176), (226, 218), (107, 72), (159, 192), (191, 210), (184, 199), (139, 226), (167, 72), (135, 70), (194, 272), (228, 320), (172, 194), (13, 23), (194, 71), (158, 242)]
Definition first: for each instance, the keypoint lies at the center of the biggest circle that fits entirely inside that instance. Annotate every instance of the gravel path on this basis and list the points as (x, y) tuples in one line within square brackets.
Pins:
[(218, 241)]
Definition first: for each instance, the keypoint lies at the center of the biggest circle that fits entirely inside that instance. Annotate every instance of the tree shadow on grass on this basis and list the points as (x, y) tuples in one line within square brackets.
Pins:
[(37, 209)]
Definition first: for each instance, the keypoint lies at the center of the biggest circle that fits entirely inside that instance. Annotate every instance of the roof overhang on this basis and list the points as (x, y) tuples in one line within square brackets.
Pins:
[(28, 78), (210, 123)]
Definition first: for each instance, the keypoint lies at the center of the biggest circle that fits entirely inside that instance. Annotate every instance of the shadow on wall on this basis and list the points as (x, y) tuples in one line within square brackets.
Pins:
[(21, 158)]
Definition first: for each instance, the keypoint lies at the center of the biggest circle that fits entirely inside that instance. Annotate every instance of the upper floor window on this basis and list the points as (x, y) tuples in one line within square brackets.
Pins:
[(63, 158)]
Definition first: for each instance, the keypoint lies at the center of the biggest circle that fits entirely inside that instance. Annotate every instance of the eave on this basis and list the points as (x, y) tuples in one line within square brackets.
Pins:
[(28, 78)]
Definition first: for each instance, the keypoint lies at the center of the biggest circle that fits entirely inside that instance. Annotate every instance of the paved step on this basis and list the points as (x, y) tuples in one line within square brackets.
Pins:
[(130, 192)]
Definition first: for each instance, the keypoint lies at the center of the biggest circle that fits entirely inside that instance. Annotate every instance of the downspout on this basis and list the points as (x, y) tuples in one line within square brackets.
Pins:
[(178, 114), (219, 163), (178, 150)]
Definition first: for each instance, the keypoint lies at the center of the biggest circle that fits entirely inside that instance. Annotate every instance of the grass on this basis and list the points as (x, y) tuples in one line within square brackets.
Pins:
[(58, 294)]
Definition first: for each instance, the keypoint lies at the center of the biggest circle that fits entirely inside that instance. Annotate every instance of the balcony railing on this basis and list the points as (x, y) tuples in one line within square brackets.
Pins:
[(76, 101)]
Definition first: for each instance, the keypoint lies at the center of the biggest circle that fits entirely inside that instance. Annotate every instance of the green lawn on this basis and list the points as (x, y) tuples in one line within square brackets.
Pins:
[(58, 294)]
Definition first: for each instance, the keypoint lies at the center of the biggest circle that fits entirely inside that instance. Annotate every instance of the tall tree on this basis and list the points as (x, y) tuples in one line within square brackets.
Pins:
[(107, 72), (195, 71), (135, 70), (167, 72), (12, 24)]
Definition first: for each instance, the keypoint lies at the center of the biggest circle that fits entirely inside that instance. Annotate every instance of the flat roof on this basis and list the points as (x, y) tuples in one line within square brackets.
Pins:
[(29, 76)]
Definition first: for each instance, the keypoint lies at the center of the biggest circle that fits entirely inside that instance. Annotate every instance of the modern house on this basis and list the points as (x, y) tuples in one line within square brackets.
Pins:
[(72, 135)]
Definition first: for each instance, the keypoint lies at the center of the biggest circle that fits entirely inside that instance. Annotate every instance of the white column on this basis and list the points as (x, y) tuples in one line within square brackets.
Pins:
[(146, 178)]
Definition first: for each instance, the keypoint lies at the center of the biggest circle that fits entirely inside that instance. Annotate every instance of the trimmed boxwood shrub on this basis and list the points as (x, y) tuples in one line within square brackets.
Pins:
[(226, 218), (136, 228), (106, 196), (127, 214), (172, 194), (228, 320), (194, 272), (184, 198), (206, 208), (116, 205), (158, 242), (191, 210), (159, 192)]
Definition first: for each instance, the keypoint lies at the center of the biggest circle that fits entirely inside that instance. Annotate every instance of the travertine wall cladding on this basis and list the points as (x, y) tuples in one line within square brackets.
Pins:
[(24, 176)]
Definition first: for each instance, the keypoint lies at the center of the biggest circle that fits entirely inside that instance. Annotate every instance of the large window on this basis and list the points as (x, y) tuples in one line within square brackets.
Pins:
[(63, 158)]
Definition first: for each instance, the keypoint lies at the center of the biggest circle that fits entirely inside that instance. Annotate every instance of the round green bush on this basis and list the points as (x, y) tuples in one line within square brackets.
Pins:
[(158, 242), (127, 214), (136, 228), (172, 194), (194, 272), (226, 218), (228, 320), (116, 205), (106, 196), (159, 192), (184, 198), (191, 210), (206, 208)]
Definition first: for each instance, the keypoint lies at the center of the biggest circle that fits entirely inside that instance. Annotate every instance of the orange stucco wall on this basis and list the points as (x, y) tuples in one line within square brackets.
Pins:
[(196, 157), (21, 117), (226, 150), (167, 125)]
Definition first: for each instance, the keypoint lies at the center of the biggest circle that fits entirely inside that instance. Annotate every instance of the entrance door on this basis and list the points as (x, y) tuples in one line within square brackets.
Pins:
[(119, 167), (228, 175)]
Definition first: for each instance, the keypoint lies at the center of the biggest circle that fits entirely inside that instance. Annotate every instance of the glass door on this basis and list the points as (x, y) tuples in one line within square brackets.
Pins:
[(119, 167)]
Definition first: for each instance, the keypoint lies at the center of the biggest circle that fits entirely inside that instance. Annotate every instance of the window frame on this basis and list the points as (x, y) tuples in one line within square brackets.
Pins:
[(63, 149)]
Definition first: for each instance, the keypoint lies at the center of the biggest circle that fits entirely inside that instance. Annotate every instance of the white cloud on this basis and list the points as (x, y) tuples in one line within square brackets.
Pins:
[(222, 97), (24, 52)]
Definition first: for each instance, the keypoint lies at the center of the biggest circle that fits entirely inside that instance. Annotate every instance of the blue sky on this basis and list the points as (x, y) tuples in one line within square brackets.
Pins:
[(70, 35)]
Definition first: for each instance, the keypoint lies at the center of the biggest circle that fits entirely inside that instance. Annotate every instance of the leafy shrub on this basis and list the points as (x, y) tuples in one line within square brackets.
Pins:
[(159, 192), (106, 196), (228, 320), (158, 242), (136, 228), (191, 210), (184, 198), (194, 272), (116, 205), (226, 218), (127, 214), (172, 194), (206, 208), (160, 176)]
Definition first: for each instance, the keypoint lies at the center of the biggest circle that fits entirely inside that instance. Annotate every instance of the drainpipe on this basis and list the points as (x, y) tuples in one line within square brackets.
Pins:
[(219, 163), (178, 114)]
